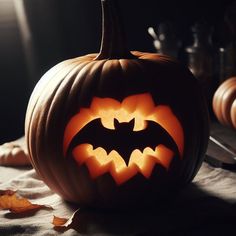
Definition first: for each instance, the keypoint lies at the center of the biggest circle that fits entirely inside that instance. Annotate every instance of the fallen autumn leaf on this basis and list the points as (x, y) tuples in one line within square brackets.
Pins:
[(9, 200), (58, 221), (64, 222)]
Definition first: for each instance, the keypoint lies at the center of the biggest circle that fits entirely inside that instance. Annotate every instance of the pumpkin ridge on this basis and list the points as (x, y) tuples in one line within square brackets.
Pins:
[(35, 97), (41, 133), (233, 113), (45, 89), (36, 93), (221, 104), (226, 106), (40, 114)]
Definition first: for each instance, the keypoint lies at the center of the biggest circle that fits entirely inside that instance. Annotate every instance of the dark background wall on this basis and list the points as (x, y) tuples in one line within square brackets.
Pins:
[(61, 29), (13, 81)]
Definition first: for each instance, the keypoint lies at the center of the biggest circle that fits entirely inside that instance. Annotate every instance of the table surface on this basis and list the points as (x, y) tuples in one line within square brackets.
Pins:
[(206, 207)]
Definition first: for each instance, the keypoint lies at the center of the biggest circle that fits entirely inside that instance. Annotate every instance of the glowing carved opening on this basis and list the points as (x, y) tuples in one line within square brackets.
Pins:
[(139, 107), (99, 162)]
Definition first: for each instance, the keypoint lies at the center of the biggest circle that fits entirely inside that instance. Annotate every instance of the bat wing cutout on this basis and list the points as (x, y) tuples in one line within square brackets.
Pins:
[(123, 139)]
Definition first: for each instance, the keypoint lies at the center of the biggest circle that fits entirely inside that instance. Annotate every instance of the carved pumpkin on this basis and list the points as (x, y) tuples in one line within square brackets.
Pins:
[(116, 128), (224, 102)]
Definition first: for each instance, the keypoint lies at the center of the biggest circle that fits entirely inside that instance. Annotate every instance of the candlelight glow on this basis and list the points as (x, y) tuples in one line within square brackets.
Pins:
[(139, 107), (99, 162)]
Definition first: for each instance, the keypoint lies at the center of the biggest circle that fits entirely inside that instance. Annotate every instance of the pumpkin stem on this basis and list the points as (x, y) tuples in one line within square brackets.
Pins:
[(113, 45)]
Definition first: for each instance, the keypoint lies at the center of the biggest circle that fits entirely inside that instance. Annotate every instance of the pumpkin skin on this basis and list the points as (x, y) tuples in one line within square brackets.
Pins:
[(72, 85), (224, 103)]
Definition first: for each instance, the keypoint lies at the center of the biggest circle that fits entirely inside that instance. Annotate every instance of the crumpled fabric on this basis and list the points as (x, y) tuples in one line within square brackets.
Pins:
[(205, 207)]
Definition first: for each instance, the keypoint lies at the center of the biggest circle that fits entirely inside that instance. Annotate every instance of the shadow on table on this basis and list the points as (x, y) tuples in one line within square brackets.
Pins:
[(192, 212)]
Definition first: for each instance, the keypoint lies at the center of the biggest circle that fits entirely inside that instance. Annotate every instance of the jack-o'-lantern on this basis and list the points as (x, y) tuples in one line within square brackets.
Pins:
[(116, 128)]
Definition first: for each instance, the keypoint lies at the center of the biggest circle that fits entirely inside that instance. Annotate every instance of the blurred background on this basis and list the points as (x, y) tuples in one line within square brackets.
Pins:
[(37, 34)]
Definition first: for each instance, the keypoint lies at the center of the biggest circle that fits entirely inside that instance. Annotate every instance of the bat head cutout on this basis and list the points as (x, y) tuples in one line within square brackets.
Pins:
[(124, 138)]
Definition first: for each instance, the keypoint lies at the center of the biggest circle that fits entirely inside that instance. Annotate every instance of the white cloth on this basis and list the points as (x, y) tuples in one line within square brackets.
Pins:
[(206, 207)]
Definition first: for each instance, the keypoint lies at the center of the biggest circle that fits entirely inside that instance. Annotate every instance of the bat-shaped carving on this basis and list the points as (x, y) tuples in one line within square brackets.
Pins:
[(123, 139)]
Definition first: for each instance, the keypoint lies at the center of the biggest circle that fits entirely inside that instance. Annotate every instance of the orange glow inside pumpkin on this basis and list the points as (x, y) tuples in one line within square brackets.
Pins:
[(142, 108)]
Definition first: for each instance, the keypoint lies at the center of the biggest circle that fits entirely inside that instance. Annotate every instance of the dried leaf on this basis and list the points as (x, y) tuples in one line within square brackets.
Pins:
[(65, 223), (57, 221), (10, 201)]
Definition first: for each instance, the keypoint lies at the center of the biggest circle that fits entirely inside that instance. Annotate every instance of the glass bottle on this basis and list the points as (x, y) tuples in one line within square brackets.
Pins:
[(227, 60), (165, 39), (227, 53), (201, 59)]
